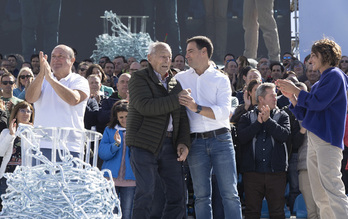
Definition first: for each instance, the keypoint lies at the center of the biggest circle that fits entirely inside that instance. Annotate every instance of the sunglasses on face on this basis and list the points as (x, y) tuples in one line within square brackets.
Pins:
[(286, 57), (25, 76), (344, 61), (7, 82), (83, 69)]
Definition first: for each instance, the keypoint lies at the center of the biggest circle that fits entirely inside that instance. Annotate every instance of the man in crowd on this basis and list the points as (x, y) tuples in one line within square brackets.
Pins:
[(13, 65), (60, 96), (8, 83), (109, 68), (135, 66), (262, 134), (158, 134), (106, 104), (277, 71), (208, 103), (35, 63)]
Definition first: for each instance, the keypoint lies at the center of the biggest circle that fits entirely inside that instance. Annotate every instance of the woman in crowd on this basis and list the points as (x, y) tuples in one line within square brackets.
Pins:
[(24, 78), (97, 70), (116, 156), (10, 145), (343, 64)]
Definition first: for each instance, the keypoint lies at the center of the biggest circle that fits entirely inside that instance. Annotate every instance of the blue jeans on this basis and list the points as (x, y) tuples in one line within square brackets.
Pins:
[(145, 166), (126, 196), (218, 153)]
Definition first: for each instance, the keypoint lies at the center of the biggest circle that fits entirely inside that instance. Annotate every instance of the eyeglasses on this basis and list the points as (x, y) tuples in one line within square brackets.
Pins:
[(83, 69), (25, 111), (287, 57), (344, 61), (7, 82), (25, 76)]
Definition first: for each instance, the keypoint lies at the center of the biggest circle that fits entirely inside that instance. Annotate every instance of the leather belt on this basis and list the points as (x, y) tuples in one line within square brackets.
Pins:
[(210, 134)]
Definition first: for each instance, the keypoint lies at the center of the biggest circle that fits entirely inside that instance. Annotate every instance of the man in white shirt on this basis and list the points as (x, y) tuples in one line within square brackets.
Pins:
[(208, 103), (60, 98)]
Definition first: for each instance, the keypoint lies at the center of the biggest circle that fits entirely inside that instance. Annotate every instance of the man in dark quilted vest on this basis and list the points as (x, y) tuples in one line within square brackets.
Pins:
[(158, 134)]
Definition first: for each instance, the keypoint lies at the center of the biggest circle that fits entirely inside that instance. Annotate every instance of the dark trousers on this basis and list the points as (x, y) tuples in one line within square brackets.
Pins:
[(344, 170), (264, 185), (145, 166)]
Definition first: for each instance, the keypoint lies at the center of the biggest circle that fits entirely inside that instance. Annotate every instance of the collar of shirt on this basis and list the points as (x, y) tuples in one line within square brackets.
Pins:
[(63, 79), (163, 81)]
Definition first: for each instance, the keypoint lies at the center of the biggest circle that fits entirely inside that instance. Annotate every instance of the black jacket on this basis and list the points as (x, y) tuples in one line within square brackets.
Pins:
[(150, 106), (279, 129)]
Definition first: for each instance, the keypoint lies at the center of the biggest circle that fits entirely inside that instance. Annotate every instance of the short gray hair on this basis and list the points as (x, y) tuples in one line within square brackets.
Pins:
[(155, 45), (261, 90)]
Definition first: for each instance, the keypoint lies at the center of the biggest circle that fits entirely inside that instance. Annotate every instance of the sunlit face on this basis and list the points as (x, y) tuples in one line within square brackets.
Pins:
[(109, 68), (253, 92), (35, 63), (276, 72), (160, 60), (25, 77), (131, 60), (94, 84), (312, 75), (144, 64), (61, 62), (179, 62), (344, 63), (231, 68), (298, 69), (23, 115), (134, 67), (122, 84), (122, 118), (7, 84), (96, 71), (317, 61), (252, 75), (229, 57), (118, 64), (194, 55), (270, 98), (13, 61), (263, 61), (102, 61), (82, 70), (286, 59), (264, 70)]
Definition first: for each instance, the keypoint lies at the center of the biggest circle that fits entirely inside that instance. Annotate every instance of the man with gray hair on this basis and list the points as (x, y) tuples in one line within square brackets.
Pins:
[(262, 133), (158, 134)]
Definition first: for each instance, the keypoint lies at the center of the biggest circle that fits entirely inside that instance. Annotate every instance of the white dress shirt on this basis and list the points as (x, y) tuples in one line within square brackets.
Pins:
[(210, 89)]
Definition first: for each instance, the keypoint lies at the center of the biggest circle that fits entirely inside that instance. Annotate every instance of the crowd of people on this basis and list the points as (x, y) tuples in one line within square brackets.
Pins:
[(245, 129)]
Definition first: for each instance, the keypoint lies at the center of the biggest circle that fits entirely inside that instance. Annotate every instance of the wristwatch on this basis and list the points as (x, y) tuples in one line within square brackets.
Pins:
[(199, 109)]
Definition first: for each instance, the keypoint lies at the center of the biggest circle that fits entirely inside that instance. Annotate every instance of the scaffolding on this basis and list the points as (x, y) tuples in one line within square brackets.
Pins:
[(295, 38)]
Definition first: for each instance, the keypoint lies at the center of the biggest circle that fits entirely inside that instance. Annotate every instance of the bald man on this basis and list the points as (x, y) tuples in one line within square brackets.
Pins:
[(59, 96)]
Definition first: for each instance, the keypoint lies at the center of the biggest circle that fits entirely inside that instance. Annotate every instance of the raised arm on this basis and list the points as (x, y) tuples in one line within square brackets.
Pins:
[(33, 92)]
